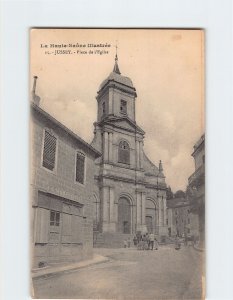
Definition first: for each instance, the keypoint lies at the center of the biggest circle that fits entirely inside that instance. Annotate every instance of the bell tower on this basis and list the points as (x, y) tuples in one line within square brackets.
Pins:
[(116, 96), (126, 177)]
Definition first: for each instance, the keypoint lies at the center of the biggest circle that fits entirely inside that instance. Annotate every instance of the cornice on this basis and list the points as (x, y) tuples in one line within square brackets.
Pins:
[(120, 86)]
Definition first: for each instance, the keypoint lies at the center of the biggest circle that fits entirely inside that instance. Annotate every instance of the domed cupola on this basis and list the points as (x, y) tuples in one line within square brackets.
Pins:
[(116, 77)]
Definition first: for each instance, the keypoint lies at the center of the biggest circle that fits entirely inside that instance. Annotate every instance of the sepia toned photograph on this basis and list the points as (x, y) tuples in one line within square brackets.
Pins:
[(117, 163)]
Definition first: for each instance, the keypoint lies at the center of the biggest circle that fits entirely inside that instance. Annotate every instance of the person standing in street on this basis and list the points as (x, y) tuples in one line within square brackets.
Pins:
[(156, 244), (151, 241), (128, 242)]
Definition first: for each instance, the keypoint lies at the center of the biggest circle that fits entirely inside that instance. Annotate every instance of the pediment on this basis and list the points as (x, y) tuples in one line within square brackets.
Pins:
[(124, 123)]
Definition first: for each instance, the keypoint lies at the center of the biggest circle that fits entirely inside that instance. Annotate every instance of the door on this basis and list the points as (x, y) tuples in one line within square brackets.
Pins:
[(149, 224), (124, 215)]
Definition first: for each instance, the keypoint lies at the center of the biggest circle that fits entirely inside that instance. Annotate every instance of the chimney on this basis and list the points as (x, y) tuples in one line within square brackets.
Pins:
[(34, 85), (35, 98)]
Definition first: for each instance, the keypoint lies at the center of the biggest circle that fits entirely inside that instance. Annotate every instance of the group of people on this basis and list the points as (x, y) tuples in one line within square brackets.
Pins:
[(145, 241), (148, 241)]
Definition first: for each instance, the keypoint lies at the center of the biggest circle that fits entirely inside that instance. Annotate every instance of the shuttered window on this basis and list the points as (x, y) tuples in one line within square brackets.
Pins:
[(54, 218), (124, 153), (80, 167), (49, 153)]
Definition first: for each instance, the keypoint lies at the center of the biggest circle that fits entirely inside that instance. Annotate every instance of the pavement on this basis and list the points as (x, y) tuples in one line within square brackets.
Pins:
[(101, 255), (126, 274), (54, 269)]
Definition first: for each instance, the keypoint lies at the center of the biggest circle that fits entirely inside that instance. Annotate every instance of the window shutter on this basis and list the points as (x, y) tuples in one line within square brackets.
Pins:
[(49, 151), (80, 168)]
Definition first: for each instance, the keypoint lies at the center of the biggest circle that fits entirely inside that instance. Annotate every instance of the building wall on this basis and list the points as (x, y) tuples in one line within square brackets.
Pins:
[(197, 186), (199, 153), (181, 221), (64, 194), (194, 225)]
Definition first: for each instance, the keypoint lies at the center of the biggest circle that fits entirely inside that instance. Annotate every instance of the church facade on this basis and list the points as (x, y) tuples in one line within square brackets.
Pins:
[(132, 190)]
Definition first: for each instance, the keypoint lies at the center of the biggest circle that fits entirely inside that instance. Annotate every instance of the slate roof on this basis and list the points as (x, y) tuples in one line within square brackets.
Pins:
[(113, 76), (150, 168), (67, 130)]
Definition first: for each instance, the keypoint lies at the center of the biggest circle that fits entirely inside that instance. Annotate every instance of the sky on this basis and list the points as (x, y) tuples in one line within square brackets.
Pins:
[(167, 70)]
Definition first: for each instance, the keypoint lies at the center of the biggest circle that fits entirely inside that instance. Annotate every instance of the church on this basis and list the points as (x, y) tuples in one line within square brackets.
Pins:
[(131, 194)]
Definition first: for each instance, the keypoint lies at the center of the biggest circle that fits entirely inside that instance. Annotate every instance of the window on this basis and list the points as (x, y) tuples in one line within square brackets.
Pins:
[(103, 108), (54, 218), (123, 107), (80, 167), (124, 153), (49, 153)]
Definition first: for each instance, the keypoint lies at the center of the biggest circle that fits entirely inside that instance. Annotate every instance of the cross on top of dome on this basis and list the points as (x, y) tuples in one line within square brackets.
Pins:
[(116, 67)]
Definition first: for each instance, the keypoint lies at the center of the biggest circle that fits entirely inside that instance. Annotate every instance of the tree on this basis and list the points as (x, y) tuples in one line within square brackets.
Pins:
[(170, 194), (179, 194)]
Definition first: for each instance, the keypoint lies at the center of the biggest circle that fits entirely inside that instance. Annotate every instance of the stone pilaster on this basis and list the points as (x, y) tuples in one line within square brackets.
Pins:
[(162, 217), (140, 213), (141, 154), (137, 155), (105, 208), (109, 209), (160, 211), (165, 212), (105, 191), (112, 210), (110, 135), (112, 204), (106, 156), (143, 208), (110, 105)]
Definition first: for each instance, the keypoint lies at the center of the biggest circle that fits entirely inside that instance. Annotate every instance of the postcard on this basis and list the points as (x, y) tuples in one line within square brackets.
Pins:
[(117, 160)]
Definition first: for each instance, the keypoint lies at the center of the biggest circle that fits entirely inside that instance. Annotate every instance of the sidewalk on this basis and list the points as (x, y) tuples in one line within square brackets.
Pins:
[(55, 269)]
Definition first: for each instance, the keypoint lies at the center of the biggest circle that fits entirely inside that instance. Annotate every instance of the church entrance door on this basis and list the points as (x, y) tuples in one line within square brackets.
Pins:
[(124, 215), (149, 224), (151, 220)]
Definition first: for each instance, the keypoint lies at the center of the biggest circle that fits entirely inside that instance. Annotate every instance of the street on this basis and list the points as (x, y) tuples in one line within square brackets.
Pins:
[(130, 274)]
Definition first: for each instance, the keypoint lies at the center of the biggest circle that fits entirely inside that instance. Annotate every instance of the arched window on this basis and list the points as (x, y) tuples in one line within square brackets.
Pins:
[(124, 153)]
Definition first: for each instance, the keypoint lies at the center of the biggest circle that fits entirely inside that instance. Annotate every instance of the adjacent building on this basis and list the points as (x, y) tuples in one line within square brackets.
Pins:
[(62, 190), (181, 221), (132, 189), (196, 187)]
